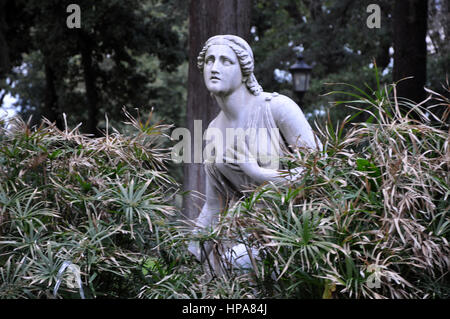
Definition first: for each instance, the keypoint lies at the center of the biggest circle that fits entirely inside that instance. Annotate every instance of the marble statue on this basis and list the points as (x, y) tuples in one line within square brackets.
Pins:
[(227, 64)]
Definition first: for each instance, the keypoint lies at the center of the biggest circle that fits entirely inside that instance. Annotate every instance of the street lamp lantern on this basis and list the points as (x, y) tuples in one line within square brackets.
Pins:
[(301, 73)]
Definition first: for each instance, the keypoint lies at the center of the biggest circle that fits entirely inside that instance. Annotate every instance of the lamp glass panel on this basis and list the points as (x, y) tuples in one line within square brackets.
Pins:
[(300, 82), (307, 78)]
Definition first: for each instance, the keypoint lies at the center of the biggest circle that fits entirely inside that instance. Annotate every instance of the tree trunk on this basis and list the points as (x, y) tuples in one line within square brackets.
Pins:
[(91, 88), (51, 110), (4, 51), (206, 18), (410, 50)]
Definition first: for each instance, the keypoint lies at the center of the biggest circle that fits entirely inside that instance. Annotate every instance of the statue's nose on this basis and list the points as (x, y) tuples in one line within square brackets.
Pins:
[(214, 67)]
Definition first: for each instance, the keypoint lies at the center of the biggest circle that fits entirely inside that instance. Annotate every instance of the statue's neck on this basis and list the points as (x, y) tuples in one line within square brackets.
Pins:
[(234, 105)]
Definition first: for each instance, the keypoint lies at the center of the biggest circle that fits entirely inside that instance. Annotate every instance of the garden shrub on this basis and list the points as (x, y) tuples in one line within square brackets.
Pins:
[(368, 218), (98, 203)]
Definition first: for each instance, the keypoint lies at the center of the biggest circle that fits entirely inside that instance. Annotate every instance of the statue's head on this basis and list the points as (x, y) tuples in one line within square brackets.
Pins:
[(243, 53)]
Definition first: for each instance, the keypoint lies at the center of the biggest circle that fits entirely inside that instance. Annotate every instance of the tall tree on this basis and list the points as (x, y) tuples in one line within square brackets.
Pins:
[(207, 18), (410, 49), (96, 69), (4, 50), (86, 49), (14, 36)]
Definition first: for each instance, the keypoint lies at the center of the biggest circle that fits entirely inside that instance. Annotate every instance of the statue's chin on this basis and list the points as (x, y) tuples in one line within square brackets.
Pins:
[(215, 90), (218, 90)]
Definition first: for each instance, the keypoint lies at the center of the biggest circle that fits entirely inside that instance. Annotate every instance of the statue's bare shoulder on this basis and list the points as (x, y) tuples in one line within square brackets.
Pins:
[(283, 108)]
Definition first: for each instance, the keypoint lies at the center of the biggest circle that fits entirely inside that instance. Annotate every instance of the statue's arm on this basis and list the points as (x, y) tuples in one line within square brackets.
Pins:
[(293, 124), (208, 218), (209, 214), (296, 130), (213, 204)]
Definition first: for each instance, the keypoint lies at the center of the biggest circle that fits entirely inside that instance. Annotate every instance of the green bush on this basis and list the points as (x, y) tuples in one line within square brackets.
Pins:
[(99, 203), (369, 217)]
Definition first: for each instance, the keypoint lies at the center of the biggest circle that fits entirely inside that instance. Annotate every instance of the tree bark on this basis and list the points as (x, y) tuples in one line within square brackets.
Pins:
[(51, 110), (207, 18), (4, 50), (410, 49), (91, 88)]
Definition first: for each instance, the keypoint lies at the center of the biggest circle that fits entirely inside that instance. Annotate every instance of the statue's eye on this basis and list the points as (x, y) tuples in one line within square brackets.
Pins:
[(209, 60), (227, 61)]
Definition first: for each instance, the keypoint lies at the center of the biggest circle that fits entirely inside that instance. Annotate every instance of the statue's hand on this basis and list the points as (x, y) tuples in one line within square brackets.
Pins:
[(249, 165), (244, 159), (294, 174)]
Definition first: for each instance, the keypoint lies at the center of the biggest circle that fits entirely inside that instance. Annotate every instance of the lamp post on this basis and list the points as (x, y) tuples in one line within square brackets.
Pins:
[(301, 73)]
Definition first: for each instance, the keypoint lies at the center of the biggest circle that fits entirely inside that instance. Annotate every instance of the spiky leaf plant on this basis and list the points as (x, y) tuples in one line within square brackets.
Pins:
[(369, 218), (98, 203)]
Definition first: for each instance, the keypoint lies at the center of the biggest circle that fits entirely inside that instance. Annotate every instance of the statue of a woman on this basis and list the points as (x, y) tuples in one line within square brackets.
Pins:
[(227, 64)]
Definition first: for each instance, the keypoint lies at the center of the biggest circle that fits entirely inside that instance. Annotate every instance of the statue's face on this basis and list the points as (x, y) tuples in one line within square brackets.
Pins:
[(222, 72)]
